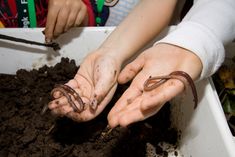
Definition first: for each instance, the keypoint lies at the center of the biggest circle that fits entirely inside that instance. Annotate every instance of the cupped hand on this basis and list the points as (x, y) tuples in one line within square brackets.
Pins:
[(62, 15), (95, 82), (136, 104)]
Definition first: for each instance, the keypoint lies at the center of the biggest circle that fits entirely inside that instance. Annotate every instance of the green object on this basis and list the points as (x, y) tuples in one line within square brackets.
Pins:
[(100, 5), (32, 14), (228, 106), (228, 101), (98, 20)]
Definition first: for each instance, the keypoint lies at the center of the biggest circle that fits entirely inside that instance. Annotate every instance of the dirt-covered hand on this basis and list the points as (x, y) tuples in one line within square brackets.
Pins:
[(62, 15), (136, 104), (95, 82)]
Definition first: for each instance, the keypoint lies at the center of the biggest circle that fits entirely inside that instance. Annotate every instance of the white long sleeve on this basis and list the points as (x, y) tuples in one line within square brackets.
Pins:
[(208, 26)]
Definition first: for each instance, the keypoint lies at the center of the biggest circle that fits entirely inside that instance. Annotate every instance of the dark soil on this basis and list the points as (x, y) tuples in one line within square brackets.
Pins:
[(25, 133)]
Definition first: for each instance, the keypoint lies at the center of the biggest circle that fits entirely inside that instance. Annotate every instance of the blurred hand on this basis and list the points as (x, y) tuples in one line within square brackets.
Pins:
[(136, 104), (95, 82), (63, 15)]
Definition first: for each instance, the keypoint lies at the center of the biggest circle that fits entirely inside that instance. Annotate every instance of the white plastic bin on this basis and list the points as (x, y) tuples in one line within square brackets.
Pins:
[(205, 132)]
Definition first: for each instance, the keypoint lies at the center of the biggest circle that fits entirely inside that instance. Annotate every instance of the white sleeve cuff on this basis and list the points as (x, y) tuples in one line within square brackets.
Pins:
[(201, 41)]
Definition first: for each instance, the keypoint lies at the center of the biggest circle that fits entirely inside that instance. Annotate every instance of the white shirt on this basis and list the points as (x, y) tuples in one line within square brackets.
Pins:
[(207, 27)]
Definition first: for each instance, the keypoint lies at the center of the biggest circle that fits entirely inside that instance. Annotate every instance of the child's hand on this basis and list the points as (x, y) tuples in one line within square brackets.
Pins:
[(62, 15), (162, 59), (95, 82)]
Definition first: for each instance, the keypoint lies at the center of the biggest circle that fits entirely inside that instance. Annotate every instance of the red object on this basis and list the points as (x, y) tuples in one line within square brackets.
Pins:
[(9, 14), (12, 6), (91, 16)]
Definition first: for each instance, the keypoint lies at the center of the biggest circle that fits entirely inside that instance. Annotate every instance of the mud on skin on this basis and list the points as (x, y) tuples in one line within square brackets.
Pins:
[(25, 132)]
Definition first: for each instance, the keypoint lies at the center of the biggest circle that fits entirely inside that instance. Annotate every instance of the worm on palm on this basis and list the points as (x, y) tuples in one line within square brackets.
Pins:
[(67, 91), (154, 82)]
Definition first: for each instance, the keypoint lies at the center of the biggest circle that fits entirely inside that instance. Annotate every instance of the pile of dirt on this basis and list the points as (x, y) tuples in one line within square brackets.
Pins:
[(24, 132)]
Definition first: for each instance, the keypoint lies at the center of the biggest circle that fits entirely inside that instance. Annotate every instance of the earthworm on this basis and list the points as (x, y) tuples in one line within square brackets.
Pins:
[(53, 45), (67, 91), (153, 82), (75, 95)]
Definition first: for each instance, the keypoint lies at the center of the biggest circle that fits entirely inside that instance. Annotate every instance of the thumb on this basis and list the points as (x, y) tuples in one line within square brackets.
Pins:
[(105, 76), (131, 70)]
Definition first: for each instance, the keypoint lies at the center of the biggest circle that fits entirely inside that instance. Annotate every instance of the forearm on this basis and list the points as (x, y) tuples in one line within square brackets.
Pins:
[(205, 30), (144, 22)]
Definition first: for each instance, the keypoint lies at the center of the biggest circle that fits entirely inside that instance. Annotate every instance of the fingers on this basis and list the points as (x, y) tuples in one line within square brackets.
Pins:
[(60, 107), (162, 94), (128, 98), (62, 15), (130, 115), (62, 110), (84, 88), (61, 21), (143, 105), (73, 83), (89, 114), (52, 14), (70, 98), (77, 8), (71, 20), (81, 16), (72, 15), (131, 70), (105, 101), (61, 104)]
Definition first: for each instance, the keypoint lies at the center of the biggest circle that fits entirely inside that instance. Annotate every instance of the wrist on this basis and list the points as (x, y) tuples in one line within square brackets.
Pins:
[(122, 51), (112, 52), (189, 62), (201, 41)]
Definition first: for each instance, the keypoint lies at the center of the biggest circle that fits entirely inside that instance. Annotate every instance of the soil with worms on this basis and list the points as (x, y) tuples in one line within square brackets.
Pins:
[(24, 132)]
